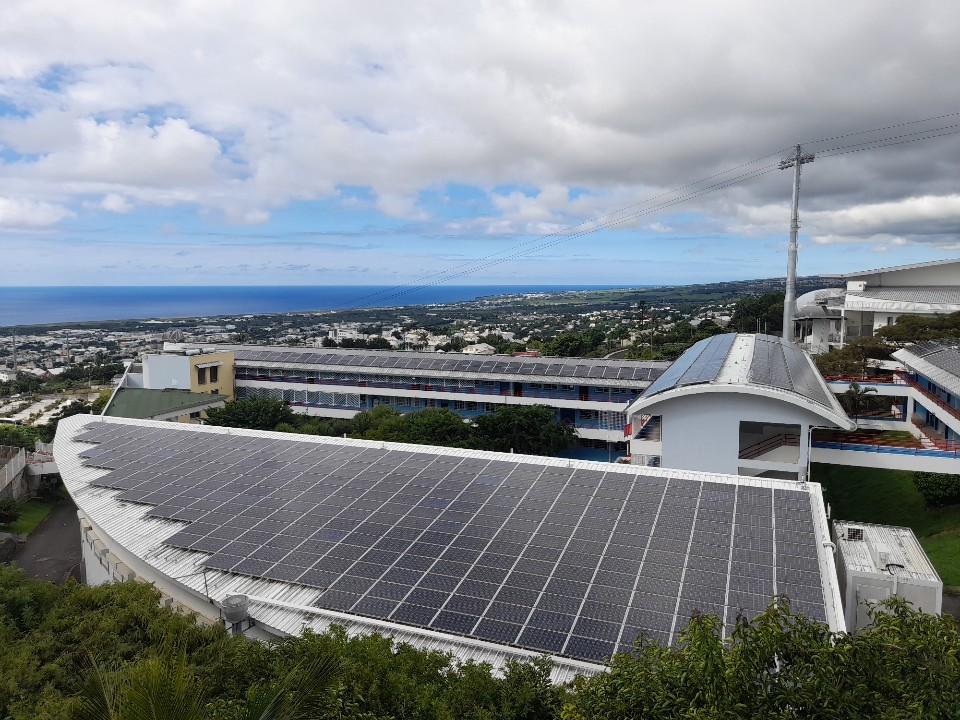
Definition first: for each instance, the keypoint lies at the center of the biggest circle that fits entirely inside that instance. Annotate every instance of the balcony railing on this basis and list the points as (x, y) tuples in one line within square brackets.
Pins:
[(772, 443), (930, 395), (866, 379), (870, 442)]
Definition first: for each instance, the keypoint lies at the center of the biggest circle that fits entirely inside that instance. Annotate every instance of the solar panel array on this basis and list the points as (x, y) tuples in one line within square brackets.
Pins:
[(569, 561), (779, 364), (574, 368), (701, 363), (944, 354)]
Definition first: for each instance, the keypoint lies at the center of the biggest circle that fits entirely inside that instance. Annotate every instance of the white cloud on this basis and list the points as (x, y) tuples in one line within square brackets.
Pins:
[(244, 112), (17, 213)]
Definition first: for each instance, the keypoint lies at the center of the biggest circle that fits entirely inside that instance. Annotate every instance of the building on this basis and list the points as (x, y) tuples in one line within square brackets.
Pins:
[(735, 403), (876, 562), (587, 394), (922, 399), (873, 299), (488, 556), (169, 404), (178, 387), (197, 369)]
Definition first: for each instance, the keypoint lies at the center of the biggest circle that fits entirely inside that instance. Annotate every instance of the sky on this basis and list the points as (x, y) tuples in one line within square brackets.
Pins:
[(217, 142)]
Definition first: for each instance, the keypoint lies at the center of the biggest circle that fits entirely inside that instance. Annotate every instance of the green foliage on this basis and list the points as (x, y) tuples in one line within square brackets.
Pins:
[(527, 429), (853, 358), (856, 398), (938, 489), (253, 413), (431, 426), (782, 665), (917, 328), (20, 436), (580, 344), (101, 402), (9, 510), (764, 312)]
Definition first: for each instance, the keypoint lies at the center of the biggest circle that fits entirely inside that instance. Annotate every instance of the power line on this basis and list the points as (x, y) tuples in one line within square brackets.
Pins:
[(592, 225), (567, 229), (887, 127)]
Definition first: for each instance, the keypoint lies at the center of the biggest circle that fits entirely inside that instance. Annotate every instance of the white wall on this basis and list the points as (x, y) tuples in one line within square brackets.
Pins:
[(935, 275), (702, 432), (166, 371)]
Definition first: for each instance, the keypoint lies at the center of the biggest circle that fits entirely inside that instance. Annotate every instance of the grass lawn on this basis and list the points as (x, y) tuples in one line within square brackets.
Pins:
[(32, 514), (890, 498)]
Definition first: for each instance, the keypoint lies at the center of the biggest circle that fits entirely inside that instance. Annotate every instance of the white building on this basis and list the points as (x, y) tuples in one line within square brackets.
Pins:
[(876, 562), (735, 403), (873, 299), (488, 556), (588, 394)]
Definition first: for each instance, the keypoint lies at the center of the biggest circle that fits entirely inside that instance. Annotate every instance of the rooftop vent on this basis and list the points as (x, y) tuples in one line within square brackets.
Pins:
[(855, 533), (235, 608)]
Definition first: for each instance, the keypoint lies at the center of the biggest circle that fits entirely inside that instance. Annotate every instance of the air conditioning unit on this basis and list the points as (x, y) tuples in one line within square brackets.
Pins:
[(880, 554)]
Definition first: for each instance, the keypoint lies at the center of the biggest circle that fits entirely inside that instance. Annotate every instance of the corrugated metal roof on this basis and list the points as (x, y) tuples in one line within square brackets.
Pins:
[(905, 554), (912, 266), (938, 360), (753, 361), (942, 298)]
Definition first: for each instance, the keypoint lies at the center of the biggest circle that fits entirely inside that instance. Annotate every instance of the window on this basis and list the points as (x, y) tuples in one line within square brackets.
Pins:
[(201, 376), (195, 415), (214, 374), (459, 405)]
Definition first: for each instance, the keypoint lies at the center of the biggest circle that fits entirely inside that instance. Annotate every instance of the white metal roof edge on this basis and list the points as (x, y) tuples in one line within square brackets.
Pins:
[(924, 367), (895, 268), (834, 414), (825, 554), (918, 565)]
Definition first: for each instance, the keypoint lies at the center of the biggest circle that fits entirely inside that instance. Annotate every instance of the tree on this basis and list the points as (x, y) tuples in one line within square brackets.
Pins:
[(528, 429), (784, 665), (853, 358), (252, 413), (431, 426), (855, 398), (759, 314), (917, 328), (938, 489)]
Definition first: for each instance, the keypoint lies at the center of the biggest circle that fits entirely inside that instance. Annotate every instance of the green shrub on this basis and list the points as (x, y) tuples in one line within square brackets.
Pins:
[(9, 510), (938, 488)]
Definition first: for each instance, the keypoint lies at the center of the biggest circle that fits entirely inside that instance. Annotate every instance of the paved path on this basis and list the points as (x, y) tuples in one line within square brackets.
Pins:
[(52, 552)]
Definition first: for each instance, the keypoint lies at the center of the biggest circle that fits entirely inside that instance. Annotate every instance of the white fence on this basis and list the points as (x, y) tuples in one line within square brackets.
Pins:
[(11, 470)]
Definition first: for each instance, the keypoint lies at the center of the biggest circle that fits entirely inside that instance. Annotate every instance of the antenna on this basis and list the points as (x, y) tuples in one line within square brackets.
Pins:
[(795, 161)]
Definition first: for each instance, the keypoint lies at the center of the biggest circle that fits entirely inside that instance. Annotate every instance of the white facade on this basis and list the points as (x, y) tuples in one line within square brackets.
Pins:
[(873, 299), (166, 371), (730, 404)]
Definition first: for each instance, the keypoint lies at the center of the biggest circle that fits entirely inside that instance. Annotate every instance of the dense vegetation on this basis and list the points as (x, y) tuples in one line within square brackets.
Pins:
[(759, 314), (64, 647), (855, 357), (71, 379), (26, 436), (529, 429), (938, 489)]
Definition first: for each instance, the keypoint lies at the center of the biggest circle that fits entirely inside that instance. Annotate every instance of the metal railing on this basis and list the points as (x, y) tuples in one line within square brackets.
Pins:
[(930, 395), (772, 443), (867, 379), (869, 442)]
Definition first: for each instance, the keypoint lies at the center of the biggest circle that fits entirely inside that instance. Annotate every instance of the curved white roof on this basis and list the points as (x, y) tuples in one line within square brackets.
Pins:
[(762, 365)]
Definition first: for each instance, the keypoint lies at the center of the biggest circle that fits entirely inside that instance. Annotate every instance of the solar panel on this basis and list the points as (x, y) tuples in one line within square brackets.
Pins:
[(569, 561), (707, 365), (671, 376)]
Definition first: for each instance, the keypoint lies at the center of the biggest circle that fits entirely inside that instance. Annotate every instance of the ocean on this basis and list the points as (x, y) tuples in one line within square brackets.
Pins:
[(39, 305)]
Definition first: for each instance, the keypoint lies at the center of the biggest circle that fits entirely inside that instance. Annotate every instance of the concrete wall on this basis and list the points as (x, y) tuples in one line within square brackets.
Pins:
[(166, 371), (702, 432), (224, 383)]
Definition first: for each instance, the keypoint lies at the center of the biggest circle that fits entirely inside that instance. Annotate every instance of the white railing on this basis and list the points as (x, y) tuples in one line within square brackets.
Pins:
[(13, 468), (42, 447)]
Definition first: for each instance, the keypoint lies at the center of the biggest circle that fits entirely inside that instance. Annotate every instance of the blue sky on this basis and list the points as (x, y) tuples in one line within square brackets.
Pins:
[(375, 143)]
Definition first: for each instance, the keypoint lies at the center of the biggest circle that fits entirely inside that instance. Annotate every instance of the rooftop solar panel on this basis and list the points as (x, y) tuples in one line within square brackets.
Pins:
[(571, 561)]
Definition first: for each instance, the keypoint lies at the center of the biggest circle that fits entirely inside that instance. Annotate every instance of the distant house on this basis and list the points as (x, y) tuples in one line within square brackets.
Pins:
[(480, 349)]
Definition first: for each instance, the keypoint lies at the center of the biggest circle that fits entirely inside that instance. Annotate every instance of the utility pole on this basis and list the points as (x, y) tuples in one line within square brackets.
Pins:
[(14, 354), (796, 160)]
